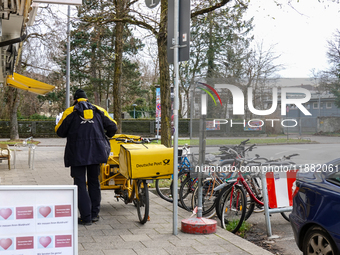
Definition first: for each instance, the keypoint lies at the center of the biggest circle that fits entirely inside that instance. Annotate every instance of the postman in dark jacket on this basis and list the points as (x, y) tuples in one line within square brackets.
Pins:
[(83, 125)]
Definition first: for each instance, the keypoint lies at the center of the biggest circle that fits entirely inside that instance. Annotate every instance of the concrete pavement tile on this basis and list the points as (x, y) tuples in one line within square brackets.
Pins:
[(130, 238), (139, 231), (181, 250), (124, 226), (85, 232), (238, 252), (185, 236), (210, 248), (86, 252), (151, 251), (157, 244), (160, 220), (164, 230), (212, 241), (185, 243), (85, 239), (111, 222), (116, 232), (164, 237), (114, 239), (130, 245), (149, 225), (98, 246), (98, 226), (120, 252)]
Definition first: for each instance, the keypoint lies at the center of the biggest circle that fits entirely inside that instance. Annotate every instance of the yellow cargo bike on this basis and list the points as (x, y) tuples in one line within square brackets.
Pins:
[(132, 164)]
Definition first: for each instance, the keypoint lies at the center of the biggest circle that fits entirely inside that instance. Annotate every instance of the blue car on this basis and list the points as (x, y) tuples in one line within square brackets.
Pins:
[(315, 217)]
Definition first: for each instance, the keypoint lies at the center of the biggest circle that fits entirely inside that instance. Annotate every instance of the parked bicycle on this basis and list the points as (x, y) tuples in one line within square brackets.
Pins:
[(232, 201)]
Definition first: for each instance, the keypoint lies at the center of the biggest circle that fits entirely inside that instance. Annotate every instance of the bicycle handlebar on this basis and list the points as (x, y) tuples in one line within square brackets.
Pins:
[(149, 140), (244, 142), (292, 155), (130, 140), (250, 148)]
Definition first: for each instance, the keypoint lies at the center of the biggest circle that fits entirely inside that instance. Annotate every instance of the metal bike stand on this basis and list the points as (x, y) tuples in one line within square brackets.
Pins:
[(15, 155), (267, 210), (31, 154)]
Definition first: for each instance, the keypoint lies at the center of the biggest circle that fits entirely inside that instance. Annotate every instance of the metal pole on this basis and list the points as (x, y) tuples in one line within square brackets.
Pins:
[(192, 94), (15, 155), (319, 104), (175, 112), (29, 156), (265, 201), (201, 152), (33, 148), (299, 123), (68, 59)]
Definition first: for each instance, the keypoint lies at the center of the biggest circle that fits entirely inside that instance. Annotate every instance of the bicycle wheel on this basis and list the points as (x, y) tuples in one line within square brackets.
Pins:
[(220, 199), (234, 209), (254, 185), (164, 186), (208, 199), (163, 189), (143, 201), (181, 178), (186, 192)]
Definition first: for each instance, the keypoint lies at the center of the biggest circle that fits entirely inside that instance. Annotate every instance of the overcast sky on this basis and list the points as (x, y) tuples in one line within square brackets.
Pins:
[(300, 33)]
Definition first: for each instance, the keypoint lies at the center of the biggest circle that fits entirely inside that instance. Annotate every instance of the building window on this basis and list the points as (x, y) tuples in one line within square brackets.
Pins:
[(315, 105), (307, 106), (329, 105)]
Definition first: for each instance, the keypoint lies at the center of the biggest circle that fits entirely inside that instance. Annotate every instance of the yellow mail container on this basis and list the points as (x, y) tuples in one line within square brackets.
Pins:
[(115, 145), (148, 161)]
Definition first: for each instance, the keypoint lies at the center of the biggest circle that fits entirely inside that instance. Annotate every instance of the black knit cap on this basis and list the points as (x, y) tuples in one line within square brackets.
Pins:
[(79, 94)]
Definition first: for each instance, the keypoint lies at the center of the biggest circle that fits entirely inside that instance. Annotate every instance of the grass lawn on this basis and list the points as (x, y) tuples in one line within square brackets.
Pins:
[(219, 142), (20, 142)]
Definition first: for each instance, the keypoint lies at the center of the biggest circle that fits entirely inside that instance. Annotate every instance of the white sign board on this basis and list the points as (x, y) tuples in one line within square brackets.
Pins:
[(68, 2), (38, 220)]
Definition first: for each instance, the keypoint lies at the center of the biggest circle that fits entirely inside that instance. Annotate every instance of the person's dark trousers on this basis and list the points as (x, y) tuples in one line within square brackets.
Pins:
[(88, 199)]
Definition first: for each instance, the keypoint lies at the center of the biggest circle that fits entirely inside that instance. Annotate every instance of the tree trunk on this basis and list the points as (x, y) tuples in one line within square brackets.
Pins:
[(13, 109), (164, 77), (117, 108)]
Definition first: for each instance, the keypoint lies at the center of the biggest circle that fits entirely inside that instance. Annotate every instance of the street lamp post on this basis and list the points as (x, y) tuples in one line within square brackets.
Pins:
[(134, 110)]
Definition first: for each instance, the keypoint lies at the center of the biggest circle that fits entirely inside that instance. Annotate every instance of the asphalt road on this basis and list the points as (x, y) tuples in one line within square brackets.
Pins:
[(309, 154)]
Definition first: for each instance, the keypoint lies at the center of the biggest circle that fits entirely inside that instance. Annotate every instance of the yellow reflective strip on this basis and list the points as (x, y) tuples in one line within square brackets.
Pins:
[(105, 113), (67, 112)]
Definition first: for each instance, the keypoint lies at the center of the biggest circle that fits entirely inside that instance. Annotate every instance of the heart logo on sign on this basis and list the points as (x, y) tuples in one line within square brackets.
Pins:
[(5, 213), (45, 241), (5, 243), (45, 210)]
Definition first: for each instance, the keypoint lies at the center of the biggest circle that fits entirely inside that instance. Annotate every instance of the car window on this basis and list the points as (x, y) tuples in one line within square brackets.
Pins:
[(334, 178)]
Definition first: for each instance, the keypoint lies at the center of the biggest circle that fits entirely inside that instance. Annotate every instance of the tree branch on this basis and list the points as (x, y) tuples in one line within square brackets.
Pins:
[(210, 9)]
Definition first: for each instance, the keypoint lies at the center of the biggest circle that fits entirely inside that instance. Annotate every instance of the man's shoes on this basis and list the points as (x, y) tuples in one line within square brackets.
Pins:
[(84, 223), (95, 219)]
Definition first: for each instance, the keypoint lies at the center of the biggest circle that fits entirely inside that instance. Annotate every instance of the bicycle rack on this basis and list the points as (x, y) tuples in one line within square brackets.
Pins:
[(31, 153)]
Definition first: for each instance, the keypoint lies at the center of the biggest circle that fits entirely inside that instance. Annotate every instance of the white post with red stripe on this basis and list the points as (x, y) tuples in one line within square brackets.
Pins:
[(277, 182)]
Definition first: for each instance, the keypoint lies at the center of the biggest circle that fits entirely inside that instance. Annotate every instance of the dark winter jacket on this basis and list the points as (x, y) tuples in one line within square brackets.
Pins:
[(84, 125)]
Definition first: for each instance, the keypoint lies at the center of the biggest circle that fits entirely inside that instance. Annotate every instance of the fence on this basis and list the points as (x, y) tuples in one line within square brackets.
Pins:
[(135, 127)]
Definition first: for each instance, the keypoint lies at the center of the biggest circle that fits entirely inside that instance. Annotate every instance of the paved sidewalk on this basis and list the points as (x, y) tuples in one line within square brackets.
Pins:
[(119, 231)]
